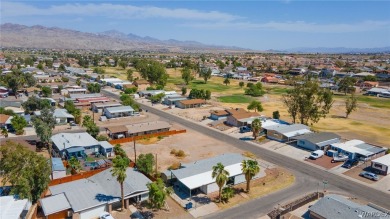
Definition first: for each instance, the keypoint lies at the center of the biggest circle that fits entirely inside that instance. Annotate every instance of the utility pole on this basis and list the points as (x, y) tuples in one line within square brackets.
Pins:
[(135, 152)]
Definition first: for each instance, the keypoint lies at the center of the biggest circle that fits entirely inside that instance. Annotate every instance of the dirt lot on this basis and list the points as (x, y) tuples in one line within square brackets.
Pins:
[(195, 145), (276, 179), (325, 162), (354, 173)]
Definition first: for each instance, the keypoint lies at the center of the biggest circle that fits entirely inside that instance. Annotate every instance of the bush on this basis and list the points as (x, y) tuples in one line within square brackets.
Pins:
[(174, 166), (173, 151), (180, 153)]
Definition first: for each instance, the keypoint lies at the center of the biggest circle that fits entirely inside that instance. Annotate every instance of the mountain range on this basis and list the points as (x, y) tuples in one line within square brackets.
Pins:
[(21, 36)]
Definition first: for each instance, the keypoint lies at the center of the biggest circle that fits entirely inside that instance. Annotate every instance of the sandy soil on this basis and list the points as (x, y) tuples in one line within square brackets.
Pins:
[(195, 145)]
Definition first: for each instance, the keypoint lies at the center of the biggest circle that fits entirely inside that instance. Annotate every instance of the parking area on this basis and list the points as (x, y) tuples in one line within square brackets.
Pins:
[(325, 162), (354, 173)]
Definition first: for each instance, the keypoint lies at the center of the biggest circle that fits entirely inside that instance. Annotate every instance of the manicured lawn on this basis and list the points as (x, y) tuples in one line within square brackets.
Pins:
[(377, 102), (235, 99), (212, 86), (278, 90)]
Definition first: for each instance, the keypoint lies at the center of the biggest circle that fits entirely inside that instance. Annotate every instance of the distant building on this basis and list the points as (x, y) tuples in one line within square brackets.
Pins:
[(118, 111)]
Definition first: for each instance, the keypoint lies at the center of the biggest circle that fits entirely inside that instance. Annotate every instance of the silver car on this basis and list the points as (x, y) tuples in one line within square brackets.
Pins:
[(369, 175)]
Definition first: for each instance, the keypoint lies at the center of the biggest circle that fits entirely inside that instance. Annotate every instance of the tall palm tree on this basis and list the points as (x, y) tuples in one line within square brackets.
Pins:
[(249, 168), (120, 165), (256, 127), (221, 176)]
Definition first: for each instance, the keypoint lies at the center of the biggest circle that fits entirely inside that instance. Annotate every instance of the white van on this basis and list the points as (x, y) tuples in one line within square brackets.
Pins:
[(316, 154)]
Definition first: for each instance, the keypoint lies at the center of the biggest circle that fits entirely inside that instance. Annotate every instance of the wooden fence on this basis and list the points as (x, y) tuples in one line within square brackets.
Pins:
[(130, 139), (78, 176)]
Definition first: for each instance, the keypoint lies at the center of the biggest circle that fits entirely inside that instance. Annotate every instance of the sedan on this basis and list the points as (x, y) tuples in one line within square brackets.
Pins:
[(369, 175), (105, 215)]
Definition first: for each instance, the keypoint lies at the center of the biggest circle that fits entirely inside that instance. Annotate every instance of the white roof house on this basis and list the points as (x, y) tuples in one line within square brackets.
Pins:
[(67, 140), (385, 160), (358, 147), (54, 204), (11, 208)]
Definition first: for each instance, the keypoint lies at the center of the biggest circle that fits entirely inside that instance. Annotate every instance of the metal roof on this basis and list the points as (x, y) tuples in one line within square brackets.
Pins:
[(290, 130), (57, 164), (74, 149), (68, 140), (12, 208), (359, 147), (147, 126), (62, 113), (107, 104), (385, 160), (119, 109), (54, 204), (198, 173), (336, 206), (317, 138), (100, 189), (105, 144)]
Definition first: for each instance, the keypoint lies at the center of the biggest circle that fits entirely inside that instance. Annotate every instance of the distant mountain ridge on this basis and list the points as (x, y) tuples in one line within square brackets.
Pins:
[(339, 50), (37, 36)]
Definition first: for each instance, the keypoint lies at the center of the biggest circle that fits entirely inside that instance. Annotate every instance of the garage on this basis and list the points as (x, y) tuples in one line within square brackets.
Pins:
[(382, 164), (93, 212)]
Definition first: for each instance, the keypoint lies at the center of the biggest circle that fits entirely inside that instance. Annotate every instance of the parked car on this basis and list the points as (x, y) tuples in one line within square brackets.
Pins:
[(350, 163), (106, 215), (316, 154), (369, 175), (244, 129)]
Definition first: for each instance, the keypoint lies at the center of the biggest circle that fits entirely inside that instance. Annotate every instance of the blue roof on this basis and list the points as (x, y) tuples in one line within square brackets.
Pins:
[(57, 164)]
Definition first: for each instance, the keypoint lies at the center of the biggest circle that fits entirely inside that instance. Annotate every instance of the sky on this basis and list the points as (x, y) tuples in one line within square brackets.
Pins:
[(251, 24)]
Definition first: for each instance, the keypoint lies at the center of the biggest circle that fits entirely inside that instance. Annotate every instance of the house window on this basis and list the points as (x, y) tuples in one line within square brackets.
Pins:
[(378, 165)]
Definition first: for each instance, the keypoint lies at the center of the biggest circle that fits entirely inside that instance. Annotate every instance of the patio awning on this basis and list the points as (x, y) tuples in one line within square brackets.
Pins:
[(74, 149)]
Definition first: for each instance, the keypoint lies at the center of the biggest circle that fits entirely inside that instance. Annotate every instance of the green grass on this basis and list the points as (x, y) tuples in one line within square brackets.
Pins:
[(212, 86), (235, 99), (278, 90), (377, 102)]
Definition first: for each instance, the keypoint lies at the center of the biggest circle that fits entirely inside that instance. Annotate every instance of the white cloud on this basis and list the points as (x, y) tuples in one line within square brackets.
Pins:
[(16, 9), (297, 26)]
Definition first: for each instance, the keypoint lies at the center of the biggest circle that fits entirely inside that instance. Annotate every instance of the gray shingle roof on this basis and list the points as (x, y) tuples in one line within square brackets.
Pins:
[(100, 189), (205, 165), (54, 204), (317, 137), (335, 206)]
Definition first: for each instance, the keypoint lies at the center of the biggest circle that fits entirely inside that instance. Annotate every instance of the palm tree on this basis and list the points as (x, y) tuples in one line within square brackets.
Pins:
[(120, 165), (221, 176), (249, 168), (226, 81), (256, 126), (255, 105)]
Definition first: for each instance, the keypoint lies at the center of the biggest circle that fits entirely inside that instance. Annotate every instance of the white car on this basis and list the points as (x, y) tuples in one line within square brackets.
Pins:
[(105, 215), (316, 154)]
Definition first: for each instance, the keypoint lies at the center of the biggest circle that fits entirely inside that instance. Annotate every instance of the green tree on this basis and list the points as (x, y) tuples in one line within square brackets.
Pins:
[(61, 67), (122, 64), (226, 81), (158, 193), (4, 132), (91, 126), (34, 103), (206, 74), (118, 150), (276, 114), (221, 65), (308, 102), (6, 111), (256, 127), (78, 81), (350, 105), (145, 163), (40, 66), (46, 91), (369, 78), (25, 170), (75, 164), (183, 91), (129, 75), (221, 176), (186, 75), (241, 84), (154, 72), (127, 100), (255, 105), (227, 193), (207, 95), (249, 168), (120, 165), (93, 87), (346, 85), (339, 63), (18, 123), (255, 90), (157, 98)]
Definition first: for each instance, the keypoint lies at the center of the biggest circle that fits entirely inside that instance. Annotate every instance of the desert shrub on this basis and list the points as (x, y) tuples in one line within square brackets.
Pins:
[(180, 153), (173, 151), (174, 166)]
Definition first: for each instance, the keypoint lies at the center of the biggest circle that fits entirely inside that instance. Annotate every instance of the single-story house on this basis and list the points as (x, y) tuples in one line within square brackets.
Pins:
[(58, 168), (73, 91), (137, 129), (357, 149), (382, 164), (368, 84), (115, 132), (118, 111), (270, 80), (3, 120), (98, 107), (316, 141), (61, 116), (377, 90), (336, 206), (193, 103), (197, 175), (173, 99), (3, 91), (141, 84), (219, 114), (106, 149), (285, 133), (12, 208), (242, 119), (88, 198), (149, 93), (52, 101), (68, 145)]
